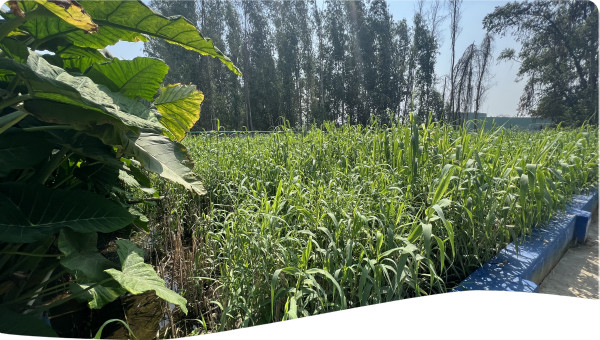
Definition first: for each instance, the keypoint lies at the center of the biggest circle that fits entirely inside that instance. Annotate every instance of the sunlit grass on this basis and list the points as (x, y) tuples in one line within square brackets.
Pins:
[(304, 223)]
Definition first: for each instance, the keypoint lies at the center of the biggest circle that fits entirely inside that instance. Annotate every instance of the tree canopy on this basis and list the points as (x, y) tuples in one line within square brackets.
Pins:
[(306, 62), (559, 56)]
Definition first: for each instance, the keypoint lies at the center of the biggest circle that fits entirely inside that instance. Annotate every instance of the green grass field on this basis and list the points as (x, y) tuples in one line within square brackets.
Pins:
[(296, 224)]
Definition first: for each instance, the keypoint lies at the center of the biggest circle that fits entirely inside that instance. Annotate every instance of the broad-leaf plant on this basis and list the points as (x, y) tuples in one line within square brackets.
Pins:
[(80, 132)]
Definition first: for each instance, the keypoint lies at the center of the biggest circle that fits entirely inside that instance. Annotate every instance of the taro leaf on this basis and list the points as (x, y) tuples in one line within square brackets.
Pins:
[(166, 158), (10, 119), (5, 77), (14, 49), (138, 277), (136, 16), (75, 59), (22, 150), (134, 168), (47, 30), (71, 12), (79, 93), (140, 77), (12, 322), (30, 212), (134, 177), (179, 106), (98, 295), (103, 178), (141, 220), (85, 146), (82, 257), (127, 179)]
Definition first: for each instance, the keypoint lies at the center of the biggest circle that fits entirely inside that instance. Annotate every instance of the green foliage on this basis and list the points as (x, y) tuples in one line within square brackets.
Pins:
[(350, 216), (138, 277), (307, 62), (16, 323), (177, 104), (79, 133), (31, 212), (559, 56), (140, 77)]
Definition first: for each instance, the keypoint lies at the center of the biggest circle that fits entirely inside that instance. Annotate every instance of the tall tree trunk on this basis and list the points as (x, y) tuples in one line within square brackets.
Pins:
[(454, 32)]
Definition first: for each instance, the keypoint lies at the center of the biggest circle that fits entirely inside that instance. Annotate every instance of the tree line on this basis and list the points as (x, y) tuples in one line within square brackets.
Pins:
[(306, 62)]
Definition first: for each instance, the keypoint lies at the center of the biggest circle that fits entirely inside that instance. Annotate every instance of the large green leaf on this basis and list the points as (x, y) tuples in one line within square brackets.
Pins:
[(166, 158), (83, 260), (137, 17), (99, 177), (12, 322), (95, 294), (14, 49), (48, 29), (30, 212), (138, 277), (179, 106), (71, 12), (78, 93), (140, 77), (76, 59), (22, 150), (86, 146), (81, 255)]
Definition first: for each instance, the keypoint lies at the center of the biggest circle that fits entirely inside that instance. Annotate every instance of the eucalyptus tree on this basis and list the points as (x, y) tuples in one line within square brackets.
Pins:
[(306, 59), (336, 47), (236, 115), (471, 76), (287, 47), (381, 24), (463, 92), (359, 63), (424, 50), (211, 77), (318, 110), (400, 62), (262, 95), (558, 56), (293, 45), (454, 7), (221, 87)]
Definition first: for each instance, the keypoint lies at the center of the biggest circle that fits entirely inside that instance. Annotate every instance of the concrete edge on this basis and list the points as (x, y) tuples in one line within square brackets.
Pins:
[(522, 267)]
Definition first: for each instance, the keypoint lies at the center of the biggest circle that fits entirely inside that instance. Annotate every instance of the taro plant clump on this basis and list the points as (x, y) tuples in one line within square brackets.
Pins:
[(79, 132), (340, 217)]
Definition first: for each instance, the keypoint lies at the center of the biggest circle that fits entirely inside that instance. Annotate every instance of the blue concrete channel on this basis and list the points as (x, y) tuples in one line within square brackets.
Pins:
[(522, 268)]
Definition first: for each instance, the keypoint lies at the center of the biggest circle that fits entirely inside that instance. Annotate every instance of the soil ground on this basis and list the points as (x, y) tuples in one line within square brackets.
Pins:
[(577, 272)]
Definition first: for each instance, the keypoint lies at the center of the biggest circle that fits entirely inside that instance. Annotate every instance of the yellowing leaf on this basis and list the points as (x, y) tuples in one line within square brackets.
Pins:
[(179, 106), (71, 12)]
